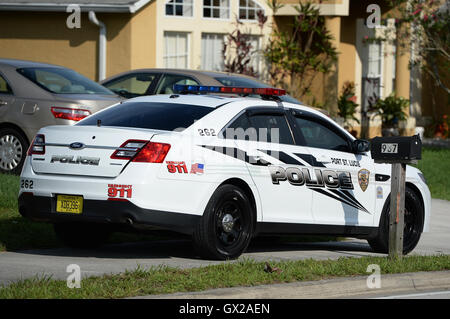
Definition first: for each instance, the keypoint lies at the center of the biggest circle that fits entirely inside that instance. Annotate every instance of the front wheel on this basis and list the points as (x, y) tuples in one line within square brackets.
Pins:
[(414, 220), (226, 227)]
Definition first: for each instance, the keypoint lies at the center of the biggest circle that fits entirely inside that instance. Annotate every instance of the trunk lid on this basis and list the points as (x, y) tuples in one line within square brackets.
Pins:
[(85, 150)]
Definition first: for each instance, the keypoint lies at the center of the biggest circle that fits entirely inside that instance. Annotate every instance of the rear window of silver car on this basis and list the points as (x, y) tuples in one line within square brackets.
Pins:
[(63, 81), (150, 115)]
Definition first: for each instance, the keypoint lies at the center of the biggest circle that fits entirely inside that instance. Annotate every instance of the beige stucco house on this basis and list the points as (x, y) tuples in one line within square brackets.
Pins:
[(190, 34)]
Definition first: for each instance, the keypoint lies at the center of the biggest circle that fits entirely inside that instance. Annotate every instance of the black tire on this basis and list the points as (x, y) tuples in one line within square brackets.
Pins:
[(414, 219), (82, 235), (13, 150), (226, 227)]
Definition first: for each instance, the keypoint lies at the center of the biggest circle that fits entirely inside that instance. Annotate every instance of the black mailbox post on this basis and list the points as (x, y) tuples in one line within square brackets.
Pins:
[(398, 151)]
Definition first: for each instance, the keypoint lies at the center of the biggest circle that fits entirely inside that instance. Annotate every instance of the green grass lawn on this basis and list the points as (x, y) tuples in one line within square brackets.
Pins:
[(162, 280), (435, 165), (19, 233)]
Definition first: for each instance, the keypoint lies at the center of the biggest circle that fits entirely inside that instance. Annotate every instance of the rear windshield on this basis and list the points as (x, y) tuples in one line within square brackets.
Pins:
[(230, 80), (158, 116), (63, 81)]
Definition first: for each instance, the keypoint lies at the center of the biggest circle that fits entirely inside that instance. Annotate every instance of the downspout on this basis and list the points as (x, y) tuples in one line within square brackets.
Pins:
[(101, 45)]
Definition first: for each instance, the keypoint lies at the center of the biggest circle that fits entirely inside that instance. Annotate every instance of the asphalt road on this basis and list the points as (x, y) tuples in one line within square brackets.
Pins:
[(120, 257)]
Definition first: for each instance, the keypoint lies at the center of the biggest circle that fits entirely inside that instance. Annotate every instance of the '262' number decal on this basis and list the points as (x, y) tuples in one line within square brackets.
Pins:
[(26, 183), (206, 132)]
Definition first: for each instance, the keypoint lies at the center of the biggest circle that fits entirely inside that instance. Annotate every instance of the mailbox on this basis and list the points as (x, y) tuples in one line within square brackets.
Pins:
[(396, 149)]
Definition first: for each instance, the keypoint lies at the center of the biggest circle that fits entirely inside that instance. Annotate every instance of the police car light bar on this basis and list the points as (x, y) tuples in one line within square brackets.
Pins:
[(179, 88)]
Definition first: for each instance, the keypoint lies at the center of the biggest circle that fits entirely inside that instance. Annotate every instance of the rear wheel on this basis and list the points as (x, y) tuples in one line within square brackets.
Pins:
[(226, 227), (13, 150), (82, 235), (414, 219)]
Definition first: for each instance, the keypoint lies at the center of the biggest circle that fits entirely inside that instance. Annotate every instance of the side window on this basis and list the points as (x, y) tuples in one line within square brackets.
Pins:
[(320, 136), (4, 86), (240, 129), (272, 128), (132, 85), (168, 81)]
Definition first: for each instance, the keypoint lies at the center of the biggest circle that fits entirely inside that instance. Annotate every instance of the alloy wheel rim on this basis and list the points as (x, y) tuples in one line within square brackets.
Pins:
[(11, 152), (229, 226)]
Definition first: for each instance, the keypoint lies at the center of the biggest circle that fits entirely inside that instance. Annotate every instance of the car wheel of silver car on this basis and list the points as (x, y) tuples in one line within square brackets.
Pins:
[(13, 151)]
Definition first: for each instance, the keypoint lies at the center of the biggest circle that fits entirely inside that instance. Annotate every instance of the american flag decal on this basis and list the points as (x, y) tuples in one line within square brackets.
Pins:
[(197, 168)]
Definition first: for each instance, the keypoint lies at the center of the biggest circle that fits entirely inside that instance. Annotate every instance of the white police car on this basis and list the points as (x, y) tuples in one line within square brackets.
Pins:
[(220, 168)]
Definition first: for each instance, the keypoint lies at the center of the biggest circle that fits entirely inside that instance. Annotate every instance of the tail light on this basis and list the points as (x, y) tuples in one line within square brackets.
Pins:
[(142, 151), (38, 145), (69, 113), (152, 153)]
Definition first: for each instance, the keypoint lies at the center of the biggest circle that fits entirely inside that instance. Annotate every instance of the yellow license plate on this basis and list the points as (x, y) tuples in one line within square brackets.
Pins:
[(69, 204)]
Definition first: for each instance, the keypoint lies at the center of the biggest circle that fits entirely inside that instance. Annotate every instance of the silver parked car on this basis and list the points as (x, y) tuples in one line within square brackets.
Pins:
[(34, 95), (161, 81)]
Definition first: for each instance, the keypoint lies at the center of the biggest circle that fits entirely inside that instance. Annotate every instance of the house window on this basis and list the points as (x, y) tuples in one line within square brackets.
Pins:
[(181, 8), (372, 73), (176, 50), (212, 47), (256, 54), (248, 10), (218, 9)]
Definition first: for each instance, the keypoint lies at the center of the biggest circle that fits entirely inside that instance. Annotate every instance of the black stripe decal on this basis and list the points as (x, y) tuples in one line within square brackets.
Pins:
[(237, 154), (242, 155), (341, 194), (345, 201), (345, 195), (311, 160), (282, 157), (323, 192)]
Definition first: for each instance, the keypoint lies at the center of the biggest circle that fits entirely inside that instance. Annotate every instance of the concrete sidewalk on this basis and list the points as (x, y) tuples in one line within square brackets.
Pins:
[(354, 287)]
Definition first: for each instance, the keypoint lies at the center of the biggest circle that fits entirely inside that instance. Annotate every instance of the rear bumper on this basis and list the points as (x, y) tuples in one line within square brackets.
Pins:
[(41, 208)]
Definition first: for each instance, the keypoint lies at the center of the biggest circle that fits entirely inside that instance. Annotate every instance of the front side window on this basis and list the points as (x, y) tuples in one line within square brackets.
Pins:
[(4, 86), (133, 85), (218, 9), (180, 8), (318, 135), (63, 81), (149, 115), (176, 50), (248, 10), (169, 80)]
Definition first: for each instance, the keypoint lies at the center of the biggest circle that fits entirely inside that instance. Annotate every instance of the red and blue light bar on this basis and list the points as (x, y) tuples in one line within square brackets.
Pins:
[(179, 88)]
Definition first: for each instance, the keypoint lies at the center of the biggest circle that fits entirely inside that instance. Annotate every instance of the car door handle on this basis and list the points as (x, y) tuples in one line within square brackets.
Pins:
[(256, 160), (324, 159)]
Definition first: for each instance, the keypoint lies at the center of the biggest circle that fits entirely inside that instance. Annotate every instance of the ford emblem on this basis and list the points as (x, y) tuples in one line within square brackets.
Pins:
[(77, 146)]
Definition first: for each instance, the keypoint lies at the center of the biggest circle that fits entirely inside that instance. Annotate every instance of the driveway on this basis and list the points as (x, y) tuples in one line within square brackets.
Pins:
[(178, 253)]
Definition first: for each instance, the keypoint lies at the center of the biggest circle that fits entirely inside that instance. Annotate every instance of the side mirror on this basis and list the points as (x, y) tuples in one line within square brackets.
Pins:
[(360, 146)]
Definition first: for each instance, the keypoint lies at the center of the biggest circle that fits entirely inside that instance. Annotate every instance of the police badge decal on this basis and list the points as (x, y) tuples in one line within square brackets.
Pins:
[(363, 179)]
